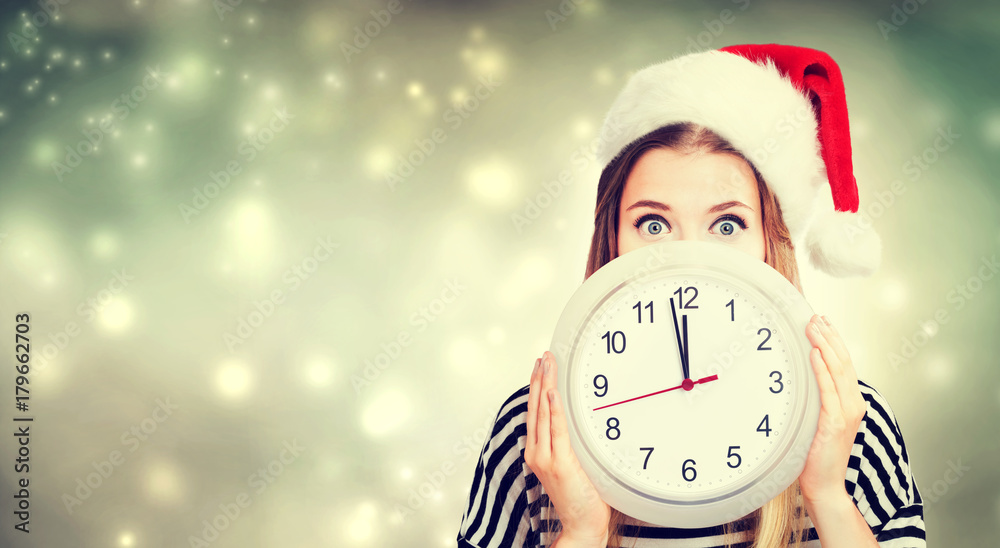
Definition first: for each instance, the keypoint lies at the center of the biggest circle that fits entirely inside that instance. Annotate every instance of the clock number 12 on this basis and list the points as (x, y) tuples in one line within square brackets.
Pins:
[(689, 301)]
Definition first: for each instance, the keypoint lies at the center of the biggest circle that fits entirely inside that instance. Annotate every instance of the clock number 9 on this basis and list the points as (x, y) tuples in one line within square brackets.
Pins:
[(613, 427), (602, 386), (685, 469), (781, 385), (613, 340)]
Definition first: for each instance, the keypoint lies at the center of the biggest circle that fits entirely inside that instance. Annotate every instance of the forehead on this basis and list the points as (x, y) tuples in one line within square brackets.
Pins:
[(680, 179)]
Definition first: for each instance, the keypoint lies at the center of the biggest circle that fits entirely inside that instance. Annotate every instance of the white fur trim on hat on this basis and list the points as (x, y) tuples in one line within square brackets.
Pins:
[(842, 243), (760, 112)]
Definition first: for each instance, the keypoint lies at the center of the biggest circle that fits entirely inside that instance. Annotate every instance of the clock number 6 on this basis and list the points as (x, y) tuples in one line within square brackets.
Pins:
[(613, 427), (685, 468), (739, 459)]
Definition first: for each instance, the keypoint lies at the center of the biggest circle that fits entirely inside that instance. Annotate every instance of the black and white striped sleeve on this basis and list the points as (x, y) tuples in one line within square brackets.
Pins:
[(497, 513), (880, 478)]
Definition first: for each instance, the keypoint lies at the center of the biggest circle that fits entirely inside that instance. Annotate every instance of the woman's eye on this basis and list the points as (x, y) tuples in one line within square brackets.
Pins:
[(730, 225), (652, 225)]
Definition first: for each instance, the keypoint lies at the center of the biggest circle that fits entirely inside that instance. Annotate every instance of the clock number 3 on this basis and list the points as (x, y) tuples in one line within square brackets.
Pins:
[(781, 385)]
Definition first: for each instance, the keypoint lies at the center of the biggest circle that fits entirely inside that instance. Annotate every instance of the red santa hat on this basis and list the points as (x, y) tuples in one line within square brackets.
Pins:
[(784, 108)]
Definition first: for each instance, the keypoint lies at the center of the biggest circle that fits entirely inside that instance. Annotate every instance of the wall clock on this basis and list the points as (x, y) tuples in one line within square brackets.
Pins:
[(690, 398)]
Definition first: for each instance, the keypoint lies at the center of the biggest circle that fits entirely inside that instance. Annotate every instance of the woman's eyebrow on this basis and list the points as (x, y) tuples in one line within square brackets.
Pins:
[(649, 203), (727, 205)]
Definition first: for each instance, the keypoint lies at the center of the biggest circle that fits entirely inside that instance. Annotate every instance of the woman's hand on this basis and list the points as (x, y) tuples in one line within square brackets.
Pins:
[(843, 409), (548, 453)]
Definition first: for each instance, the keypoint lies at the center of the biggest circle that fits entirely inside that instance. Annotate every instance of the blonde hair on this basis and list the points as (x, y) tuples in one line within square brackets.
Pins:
[(780, 521)]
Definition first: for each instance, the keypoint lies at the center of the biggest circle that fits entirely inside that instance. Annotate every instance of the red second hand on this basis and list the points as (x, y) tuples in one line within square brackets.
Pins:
[(688, 384)]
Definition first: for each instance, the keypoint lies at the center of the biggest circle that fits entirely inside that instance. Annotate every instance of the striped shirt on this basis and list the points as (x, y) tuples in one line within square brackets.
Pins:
[(509, 507)]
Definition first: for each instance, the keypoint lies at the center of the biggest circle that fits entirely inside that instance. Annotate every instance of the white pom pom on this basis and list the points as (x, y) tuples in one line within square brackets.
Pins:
[(843, 244)]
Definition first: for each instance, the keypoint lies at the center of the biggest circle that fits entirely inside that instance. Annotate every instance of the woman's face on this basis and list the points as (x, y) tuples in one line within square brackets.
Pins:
[(700, 196)]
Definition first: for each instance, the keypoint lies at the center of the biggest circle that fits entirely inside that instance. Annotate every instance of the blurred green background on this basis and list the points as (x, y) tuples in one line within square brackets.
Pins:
[(245, 331)]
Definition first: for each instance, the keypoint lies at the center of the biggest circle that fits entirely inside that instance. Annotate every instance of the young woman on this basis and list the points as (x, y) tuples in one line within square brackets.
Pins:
[(679, 165)]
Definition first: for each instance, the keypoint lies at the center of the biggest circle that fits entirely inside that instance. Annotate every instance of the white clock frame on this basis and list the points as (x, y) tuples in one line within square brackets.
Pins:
[(789, 309)]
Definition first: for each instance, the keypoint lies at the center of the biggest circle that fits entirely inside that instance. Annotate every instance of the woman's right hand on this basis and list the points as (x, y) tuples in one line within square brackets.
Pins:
[(584, 516)]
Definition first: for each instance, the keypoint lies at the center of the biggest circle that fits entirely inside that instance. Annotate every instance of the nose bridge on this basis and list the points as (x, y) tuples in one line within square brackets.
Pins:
[(687, 230)]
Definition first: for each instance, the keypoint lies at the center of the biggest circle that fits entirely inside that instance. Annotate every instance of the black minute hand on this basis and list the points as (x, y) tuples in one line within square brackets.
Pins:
[(681, 345), (687, 349)]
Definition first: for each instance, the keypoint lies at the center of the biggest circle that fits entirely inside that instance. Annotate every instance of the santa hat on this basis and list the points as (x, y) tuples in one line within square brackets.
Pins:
[(784, 109)]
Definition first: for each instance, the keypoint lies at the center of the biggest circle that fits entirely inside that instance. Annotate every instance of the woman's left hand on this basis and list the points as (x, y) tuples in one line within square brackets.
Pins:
[(843, 409)]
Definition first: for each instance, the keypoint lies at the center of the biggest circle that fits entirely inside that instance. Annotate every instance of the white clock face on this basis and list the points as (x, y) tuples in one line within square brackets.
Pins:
[(688, 391), (684, 443)]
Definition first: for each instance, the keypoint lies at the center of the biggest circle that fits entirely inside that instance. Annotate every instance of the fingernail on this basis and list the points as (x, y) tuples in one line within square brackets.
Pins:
[(826, 320), (552, 396), (546, 366), (535, 370)]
